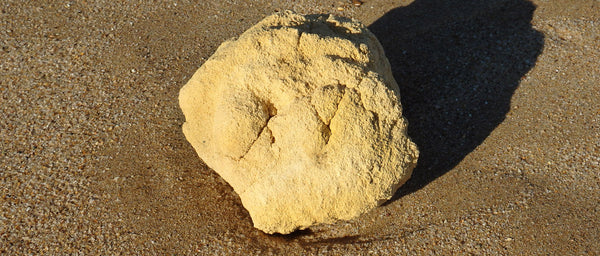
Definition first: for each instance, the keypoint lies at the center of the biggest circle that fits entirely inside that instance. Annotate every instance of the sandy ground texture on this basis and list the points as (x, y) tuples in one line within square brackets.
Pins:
[(501, 95)]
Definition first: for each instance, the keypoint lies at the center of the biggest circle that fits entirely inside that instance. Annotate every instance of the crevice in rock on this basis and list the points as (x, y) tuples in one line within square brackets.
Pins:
[(337, 105), (337, 108), (344, 59), (272, 111), (299, 38), (326, 133), (266, 126), (327, 128), (376, 122)]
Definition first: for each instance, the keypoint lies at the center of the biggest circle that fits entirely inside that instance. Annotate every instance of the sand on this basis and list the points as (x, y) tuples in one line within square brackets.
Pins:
[(501, 96)]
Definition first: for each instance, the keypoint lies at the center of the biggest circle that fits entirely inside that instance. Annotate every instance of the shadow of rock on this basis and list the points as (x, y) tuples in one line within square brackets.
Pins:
[(306, 239), (458, 63)]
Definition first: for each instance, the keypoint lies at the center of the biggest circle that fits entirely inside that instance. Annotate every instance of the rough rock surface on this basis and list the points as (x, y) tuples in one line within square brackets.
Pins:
[(301, 116)]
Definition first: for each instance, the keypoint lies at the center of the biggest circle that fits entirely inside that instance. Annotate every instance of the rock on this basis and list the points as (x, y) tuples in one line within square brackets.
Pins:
[(301, 116)]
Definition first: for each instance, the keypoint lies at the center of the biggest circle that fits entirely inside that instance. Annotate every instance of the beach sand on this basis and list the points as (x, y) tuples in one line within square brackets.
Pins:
[(501, 96)]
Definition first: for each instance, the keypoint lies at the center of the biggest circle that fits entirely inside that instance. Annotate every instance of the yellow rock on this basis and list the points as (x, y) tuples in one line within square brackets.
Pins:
[(301, 116)]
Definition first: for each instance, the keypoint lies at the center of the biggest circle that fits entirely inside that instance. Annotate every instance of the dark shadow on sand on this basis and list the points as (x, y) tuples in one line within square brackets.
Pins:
[(458, 63), (305, 238)]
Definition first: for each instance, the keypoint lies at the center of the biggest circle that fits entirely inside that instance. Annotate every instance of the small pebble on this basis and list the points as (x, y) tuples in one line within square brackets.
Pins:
[(357, 2)]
